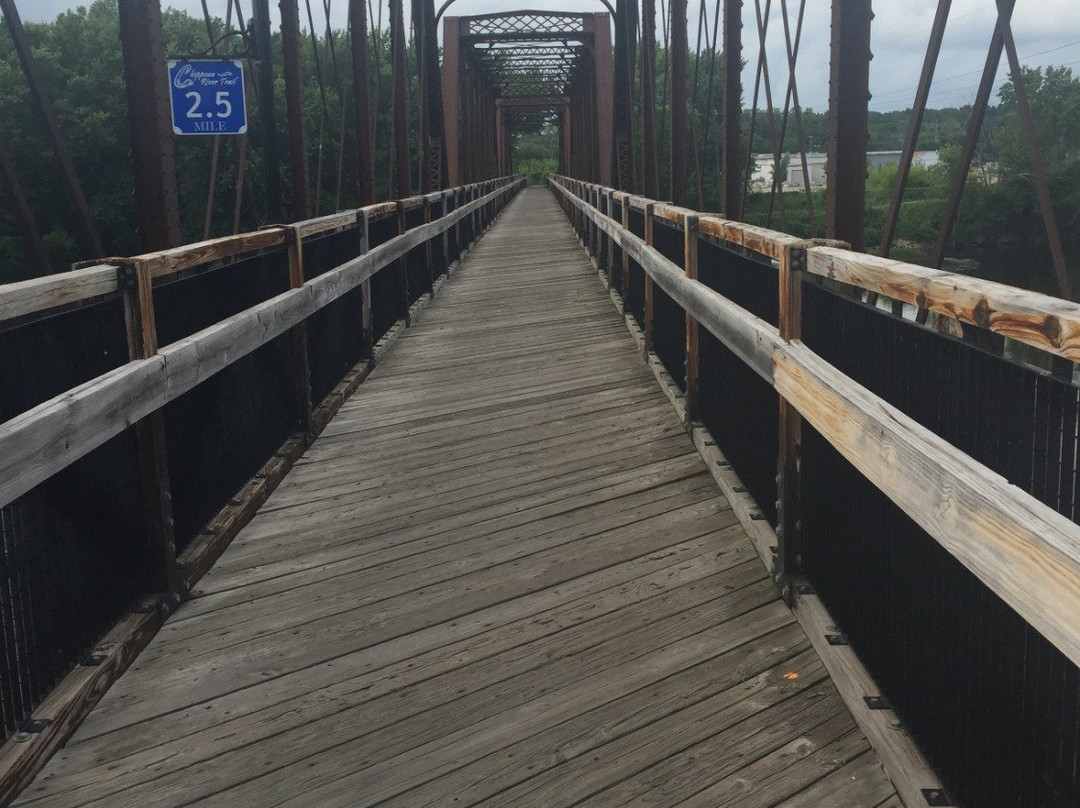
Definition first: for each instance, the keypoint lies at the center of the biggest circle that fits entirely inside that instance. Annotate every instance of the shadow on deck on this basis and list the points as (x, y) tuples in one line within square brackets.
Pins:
[(501, 576)]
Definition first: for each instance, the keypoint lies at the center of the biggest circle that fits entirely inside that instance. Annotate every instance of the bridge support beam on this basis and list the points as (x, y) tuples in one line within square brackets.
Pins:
[(849, 94), (451, 95), (731, 156), (263, 63), (680, 58), (156, 206), (294, 110), (649, 168), (623, 157), (402, 168), (603, 76), (432, 162), (365, 154)]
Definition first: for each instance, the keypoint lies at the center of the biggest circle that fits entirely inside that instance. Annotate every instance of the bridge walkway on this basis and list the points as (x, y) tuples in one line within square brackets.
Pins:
[(501, 577)]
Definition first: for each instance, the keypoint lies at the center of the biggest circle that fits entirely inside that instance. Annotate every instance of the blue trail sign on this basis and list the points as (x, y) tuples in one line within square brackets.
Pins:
[(207, 97)]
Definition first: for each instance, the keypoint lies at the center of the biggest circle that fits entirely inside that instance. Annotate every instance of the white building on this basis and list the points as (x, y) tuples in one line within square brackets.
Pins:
[(816, 162)]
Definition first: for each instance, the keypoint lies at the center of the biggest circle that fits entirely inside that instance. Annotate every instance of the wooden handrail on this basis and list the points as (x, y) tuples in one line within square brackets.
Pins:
[(1044, 322), (46, 439), (1023, 550), (39, 295)]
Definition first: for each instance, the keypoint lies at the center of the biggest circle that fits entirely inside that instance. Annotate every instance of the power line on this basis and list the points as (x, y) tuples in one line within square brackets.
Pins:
[(977, 72)]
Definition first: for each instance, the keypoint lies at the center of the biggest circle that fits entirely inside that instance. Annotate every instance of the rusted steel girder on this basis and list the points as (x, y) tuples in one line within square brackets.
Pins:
[(294, 110), (933, 49), (156, 207), (623, 158), (402, 171), (679, 71), (52, 127), (451, 97), (649, 170), (365, 154), (604, 83), (264, 92), (849, 92), (1038, 165), (971, 137), (432, 165), (732, 123)]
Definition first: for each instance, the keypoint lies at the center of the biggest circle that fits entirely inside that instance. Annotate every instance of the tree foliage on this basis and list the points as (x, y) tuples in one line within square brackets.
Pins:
[(80, 61)]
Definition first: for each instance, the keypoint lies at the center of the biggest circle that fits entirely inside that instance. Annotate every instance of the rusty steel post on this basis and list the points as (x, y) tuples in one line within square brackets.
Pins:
[(971, 137), (52, 126), (730, 181), (365, 154), (933, 49), (849, 93), (432, 164), (623, 157), (451, 95), (1038, 166), (402, 170), (262, 61), (650, 173), (294, 109), (605, 90), (156, 205), (679, 71)]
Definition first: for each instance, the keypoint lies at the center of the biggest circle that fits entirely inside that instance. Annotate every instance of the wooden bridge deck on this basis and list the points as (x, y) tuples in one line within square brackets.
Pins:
[(502, 576)]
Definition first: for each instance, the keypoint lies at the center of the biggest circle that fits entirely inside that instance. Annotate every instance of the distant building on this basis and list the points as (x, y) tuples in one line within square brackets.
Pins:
[(816, 162)]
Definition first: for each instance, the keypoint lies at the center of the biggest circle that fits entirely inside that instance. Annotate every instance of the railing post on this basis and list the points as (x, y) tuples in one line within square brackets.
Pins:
[(301, 371), (403, 266), (608, 251), (648, 281), (591, 199), (444, 268), (788, 478), (368, 346), (429, 252), (459, 228), (625, 257), (579, 215), (602, 242), (691, 227), (474, 217), (141, 326), (594, 203)]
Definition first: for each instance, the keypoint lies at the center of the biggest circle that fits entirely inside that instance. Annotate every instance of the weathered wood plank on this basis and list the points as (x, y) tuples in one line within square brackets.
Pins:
[(53, 291), (1023, 550), (45, 440), (1048, 323), (499, 578)]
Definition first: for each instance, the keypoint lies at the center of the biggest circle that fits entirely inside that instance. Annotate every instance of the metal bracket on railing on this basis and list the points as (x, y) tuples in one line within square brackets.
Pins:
[(127, 277)]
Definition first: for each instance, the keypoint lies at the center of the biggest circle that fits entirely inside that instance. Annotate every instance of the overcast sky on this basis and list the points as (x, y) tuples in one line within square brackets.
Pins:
[(1047, 32)]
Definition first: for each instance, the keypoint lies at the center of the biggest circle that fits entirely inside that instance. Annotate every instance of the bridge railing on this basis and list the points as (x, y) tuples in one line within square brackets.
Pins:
[(149, 405), (921, 480)]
